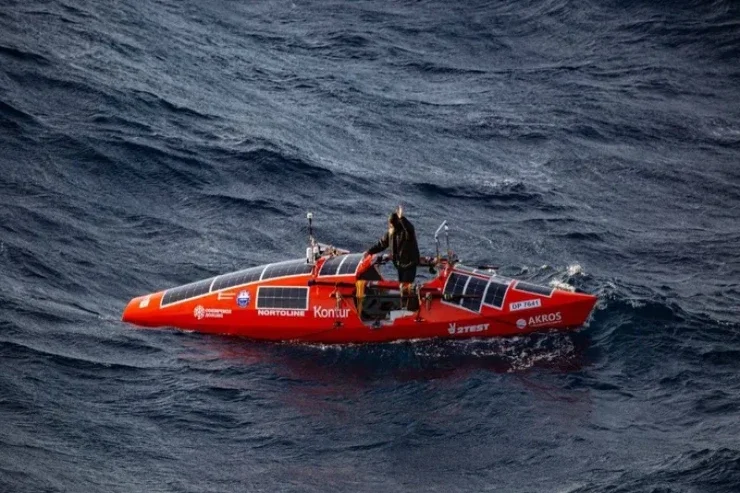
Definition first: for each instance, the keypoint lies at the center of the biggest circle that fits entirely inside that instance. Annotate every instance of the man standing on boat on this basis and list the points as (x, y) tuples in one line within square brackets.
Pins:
[(401, 237)]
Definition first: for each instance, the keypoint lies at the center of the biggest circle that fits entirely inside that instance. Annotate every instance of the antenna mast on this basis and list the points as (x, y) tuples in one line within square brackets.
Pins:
[(310, 251), (436, 237)]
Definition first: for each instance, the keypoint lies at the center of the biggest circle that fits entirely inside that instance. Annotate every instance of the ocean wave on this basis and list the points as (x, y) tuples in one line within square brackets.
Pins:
[(148, 145), (255, 206), (22, 55), (274, 163), (714, 469), (168, 106), (425, 359), (514, 193), (15, 116), (439, 68), (122, 123), (92, 368)]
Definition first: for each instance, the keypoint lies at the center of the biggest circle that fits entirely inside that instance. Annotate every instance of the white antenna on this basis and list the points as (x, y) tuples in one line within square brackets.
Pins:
[(436, 235), (310, 255)]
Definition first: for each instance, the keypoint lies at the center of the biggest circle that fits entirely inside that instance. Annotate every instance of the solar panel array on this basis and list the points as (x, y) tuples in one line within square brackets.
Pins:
[(470, 291), (456, 284), (187, 291), (350, 264), (497, 287), (225, 281), (238, 278), (290, 268), (330, 266), (474, 294), (534, 288), (282, 297), (342, 265)]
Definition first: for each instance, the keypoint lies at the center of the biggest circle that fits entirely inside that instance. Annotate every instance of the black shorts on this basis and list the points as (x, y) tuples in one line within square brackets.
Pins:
[(406, 274)]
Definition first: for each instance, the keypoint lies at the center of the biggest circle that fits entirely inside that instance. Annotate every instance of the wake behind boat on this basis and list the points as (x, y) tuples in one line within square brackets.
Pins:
[(333, 296)]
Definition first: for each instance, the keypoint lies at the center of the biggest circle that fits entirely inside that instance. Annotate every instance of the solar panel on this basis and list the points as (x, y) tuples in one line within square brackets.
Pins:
[(282, 297), (185, 292), (456, 284), (534, 288), (238, 278), (474, 294), (331, 265), (289, 268), (497, 287), (350, 264)]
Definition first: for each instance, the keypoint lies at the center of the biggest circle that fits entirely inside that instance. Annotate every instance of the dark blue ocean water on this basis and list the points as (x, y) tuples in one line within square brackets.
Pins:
[(145, 144)]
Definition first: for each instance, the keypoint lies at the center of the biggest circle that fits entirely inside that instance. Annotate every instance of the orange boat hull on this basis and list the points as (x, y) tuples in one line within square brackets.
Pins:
[(313, 306)]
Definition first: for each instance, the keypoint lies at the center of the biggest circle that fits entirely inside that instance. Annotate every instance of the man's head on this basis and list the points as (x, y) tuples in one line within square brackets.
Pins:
[(393, 222)]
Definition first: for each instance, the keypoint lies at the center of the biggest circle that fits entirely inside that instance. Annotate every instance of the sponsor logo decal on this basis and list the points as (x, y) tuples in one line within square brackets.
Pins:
[(281, 313), (200, 313), (524, 305), (319, 312), (546, 319), (521, 324), (225, 296), (144, 303), (243, 299), (466, 329)]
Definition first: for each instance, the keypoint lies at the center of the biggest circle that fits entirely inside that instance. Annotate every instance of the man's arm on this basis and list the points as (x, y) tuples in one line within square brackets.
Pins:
[(381, 245)]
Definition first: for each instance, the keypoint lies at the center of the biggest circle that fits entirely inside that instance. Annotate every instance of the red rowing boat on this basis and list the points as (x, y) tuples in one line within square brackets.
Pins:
[(337, 297)]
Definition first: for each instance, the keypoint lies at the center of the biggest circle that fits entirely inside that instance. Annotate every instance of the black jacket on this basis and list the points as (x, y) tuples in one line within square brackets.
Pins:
[(403, 244)]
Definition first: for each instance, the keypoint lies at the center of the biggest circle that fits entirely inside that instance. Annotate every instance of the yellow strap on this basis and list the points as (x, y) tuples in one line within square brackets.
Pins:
[(360, 294), (360, 289)]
